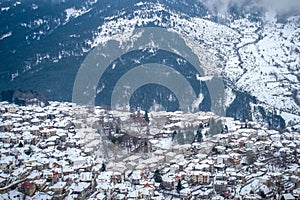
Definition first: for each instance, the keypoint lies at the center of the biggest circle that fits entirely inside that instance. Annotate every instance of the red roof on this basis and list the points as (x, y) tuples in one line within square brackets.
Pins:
[(27, 184), (147, 185), (226, 194)]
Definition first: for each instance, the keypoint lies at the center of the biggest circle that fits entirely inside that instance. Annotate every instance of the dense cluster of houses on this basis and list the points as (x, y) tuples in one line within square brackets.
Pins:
[(64, 151)]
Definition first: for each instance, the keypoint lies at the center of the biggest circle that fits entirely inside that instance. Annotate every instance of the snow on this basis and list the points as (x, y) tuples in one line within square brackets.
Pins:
[(74, 13), (58, 185), (6, 35), (264, 49), (229, 97), (79, 187), (288, 196), (165, 143), (251, 186), (290, 118), (5, 9)]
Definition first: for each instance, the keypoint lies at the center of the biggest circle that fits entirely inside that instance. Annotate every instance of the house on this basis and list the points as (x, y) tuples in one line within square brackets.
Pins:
[(3, 182), (20, 172), (28, 137), (5, 137), (70, 178), (104, 187), (168, 182), (61, 134), (35, 130), (169, 156), (202, 167), (200, 177), (119, 197), (145, 193), (53, 139), (35, 122), (2, 127), (2, 108), (185, 194), (77, 161), (28, 188), (117, 177), (275, 137), (41, 115), (86, 176), (121, 188), (262, 135), (220, 186), (249, 144), (104, 176), (15, 139), (40, 184), (4, 164), (133, 195), (34, 175), (101, 196), (136, 177), (67, 170), (206, 194), (296, 193), (222, 159), (210, 163), (287, 196), (131, 165), (46, 133), (71, 143), (174, 168), (81, 189), (47, 174), (7, 162), (4, 152), (220, 149), (58, 188)]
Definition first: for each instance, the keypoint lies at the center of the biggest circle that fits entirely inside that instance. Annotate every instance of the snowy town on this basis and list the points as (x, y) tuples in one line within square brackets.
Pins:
[(68, 151)]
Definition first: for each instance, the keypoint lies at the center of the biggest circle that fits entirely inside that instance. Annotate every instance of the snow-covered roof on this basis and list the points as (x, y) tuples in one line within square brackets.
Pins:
[(58, 185), (288, 196), (86, 176), (80, 186)]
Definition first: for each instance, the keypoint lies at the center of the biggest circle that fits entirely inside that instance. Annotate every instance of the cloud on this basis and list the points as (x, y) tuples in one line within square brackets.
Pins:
[(281, 7), (58, 1), (53, 1)]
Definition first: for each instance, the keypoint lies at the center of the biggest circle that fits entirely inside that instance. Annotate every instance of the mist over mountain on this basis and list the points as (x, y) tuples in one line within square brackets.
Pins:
[(254, 45)]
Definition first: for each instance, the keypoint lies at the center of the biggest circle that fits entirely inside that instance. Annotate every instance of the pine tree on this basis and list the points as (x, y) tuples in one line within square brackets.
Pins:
[(226, 128), (21, 144), (189, 135), (179, 186), (200, 126), (215, 127), (146, 117), (157, 176), (103, 167), (199, 136), (180, 137), (174, 135), (262, 194)]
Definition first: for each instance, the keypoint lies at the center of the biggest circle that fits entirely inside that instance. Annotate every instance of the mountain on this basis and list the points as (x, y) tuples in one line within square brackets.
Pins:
[(253, 46)]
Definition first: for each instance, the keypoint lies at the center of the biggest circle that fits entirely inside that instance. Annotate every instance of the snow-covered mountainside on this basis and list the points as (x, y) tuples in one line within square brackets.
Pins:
[(256, 51)]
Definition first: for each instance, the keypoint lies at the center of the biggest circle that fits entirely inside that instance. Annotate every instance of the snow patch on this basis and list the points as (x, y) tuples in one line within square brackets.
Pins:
[(6, 35), (74, 13)]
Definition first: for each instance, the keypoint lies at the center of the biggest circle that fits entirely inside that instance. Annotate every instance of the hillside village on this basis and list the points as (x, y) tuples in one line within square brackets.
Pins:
[(68, 151)]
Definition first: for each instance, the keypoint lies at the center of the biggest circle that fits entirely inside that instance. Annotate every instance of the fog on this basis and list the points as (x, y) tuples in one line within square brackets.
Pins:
[(281, 7)]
